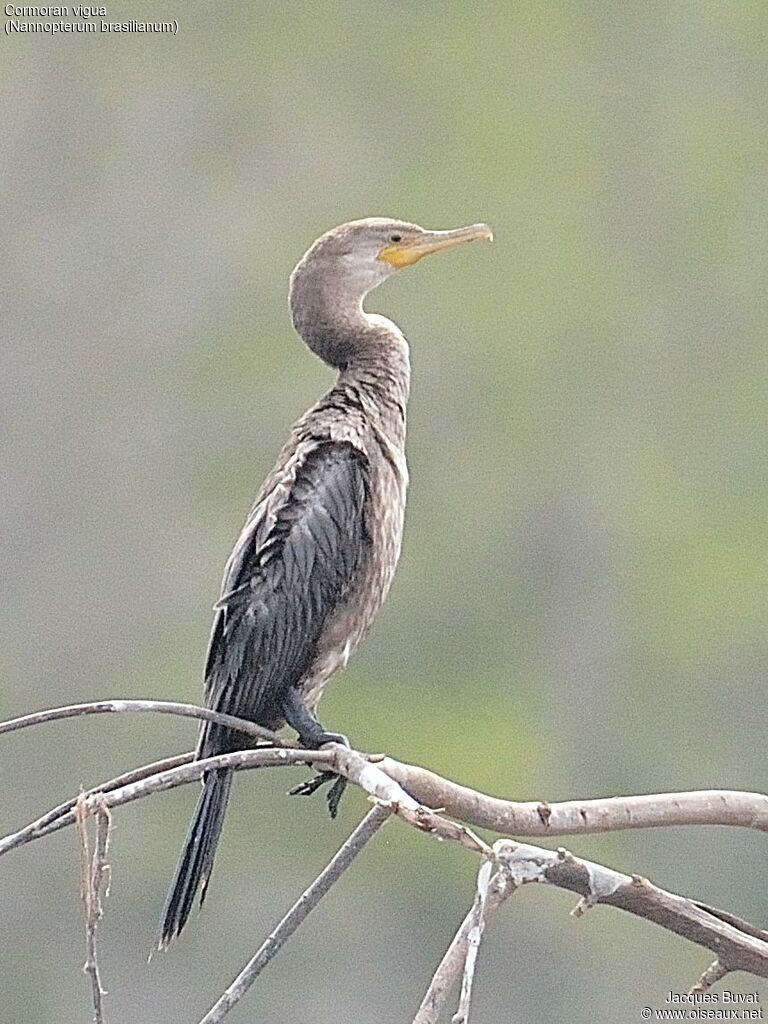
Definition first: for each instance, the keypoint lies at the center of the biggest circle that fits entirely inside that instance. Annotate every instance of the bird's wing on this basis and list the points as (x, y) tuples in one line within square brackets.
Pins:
[(300, 549)]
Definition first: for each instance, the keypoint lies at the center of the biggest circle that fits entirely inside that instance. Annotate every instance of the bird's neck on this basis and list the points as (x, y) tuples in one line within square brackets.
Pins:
[(368, 350), (381, 375)]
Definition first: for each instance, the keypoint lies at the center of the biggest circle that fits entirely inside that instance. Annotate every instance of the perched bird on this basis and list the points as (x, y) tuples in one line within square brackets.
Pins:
[(315, 559)]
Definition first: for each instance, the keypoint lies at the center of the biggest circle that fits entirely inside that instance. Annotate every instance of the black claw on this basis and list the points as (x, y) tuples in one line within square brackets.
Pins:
[(312, 785), (335, 793)]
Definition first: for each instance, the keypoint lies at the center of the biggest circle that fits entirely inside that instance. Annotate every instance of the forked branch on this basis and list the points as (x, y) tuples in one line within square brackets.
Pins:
[(508, 817), (411, 792)]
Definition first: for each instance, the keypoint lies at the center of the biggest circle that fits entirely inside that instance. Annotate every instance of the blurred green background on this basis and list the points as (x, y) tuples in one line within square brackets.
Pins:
[(580, 608)]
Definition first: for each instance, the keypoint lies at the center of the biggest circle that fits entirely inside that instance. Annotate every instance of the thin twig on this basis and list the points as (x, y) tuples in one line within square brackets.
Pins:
[(353, 765), (94, 886), (298, 912), (452, 963), (474, 937), (44, 825), (714, 973), (164, 707), (188, 771)]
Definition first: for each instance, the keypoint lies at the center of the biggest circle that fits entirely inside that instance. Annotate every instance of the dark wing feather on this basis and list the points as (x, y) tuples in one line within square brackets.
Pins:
[(280, 587)]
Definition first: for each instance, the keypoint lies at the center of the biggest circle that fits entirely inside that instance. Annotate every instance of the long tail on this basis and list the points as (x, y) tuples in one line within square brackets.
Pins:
[(196, 860)]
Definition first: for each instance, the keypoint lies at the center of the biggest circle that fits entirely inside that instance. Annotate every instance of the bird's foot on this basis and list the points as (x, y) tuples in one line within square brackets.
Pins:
[(313, 736), (312, 785), (333, 737), (319, 739)]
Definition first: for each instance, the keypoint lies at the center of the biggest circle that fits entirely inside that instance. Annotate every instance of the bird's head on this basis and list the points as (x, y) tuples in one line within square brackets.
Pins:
[(363, 253), (338, 270)]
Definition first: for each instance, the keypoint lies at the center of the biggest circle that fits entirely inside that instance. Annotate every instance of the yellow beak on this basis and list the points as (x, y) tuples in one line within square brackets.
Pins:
[(411, 250)]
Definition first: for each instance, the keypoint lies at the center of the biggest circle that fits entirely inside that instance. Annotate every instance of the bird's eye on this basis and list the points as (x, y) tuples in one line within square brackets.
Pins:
[(395, 238)]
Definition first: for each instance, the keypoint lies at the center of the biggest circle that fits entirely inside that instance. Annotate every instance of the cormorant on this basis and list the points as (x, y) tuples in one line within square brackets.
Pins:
[(316, 556)]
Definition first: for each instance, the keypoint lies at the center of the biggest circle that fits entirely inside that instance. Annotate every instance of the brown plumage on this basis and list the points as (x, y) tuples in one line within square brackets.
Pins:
[(315, 559)]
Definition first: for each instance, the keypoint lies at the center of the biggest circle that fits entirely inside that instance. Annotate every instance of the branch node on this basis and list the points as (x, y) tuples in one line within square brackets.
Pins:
[(544, 812), (521, 863), (585, 903), (422, 818)]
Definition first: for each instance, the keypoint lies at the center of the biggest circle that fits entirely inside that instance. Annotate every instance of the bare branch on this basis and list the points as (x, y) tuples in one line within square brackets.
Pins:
[(44, 825), (403, 788), (353, 765), (529, 818), (580, 817), (94, 886), (452, 964), (164, 707), (159, 781), (379, 784), (308, 900), (737, 945), (477, 919)]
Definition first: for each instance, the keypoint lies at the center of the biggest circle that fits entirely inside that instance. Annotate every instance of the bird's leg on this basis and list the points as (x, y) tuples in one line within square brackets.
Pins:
[(313, 736), (300, 718)]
